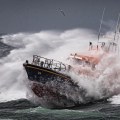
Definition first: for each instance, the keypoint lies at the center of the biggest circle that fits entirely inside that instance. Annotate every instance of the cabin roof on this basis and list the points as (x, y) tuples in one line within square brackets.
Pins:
[(92, 58)]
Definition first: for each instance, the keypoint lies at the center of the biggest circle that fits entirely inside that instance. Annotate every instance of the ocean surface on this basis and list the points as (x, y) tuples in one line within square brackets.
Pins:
[(22, 109)]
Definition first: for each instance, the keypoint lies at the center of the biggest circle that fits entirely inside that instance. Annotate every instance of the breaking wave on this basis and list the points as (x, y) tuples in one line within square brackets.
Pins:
[(57, 45)]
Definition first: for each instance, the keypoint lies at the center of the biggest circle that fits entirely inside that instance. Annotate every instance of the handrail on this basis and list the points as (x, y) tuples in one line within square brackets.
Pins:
[(48, 63)]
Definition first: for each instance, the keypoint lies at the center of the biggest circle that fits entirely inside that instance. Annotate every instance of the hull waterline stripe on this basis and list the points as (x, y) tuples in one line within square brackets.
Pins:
[(47, 71)]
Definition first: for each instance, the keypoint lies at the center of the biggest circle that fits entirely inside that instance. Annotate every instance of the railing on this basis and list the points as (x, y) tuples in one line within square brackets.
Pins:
[(48, 63)]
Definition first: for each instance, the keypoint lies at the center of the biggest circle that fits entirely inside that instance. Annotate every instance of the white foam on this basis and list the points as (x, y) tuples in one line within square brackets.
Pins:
[(57, 45)]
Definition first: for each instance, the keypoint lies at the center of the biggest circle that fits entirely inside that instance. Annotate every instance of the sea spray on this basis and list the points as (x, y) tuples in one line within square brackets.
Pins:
[(57, 45), (105, 82)]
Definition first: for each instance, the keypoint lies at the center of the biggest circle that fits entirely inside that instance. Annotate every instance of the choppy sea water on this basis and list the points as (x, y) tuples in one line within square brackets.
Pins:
[(23, 109)]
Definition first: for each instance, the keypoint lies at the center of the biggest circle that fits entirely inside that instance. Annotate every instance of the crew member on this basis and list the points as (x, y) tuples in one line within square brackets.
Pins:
[(97, 47), (90, 45)]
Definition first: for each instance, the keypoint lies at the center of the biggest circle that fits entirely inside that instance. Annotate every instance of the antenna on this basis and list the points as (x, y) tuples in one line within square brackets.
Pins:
[(118, 30), (117, 26), (101, 24)]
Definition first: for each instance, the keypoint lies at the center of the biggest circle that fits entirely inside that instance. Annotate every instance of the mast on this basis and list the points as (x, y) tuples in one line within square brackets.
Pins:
[(101, 24), (114, 43)]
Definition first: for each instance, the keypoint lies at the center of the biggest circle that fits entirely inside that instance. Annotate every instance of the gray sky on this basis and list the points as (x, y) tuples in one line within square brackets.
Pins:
[(35, 15)]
